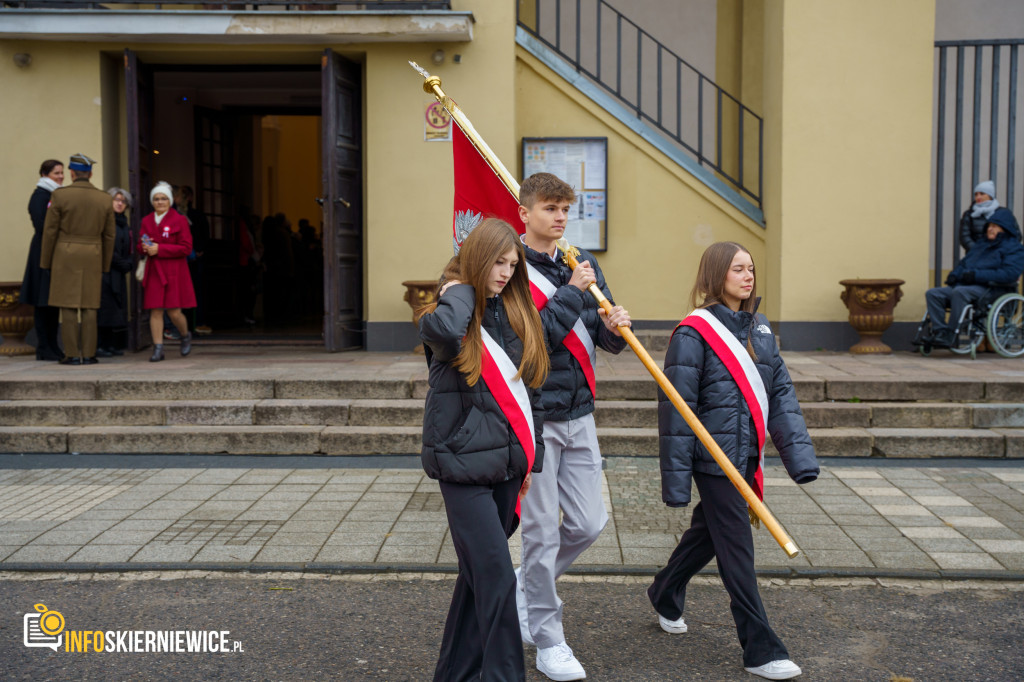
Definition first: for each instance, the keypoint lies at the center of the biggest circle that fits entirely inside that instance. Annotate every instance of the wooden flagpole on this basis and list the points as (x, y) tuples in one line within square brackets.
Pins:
[(432, 86)]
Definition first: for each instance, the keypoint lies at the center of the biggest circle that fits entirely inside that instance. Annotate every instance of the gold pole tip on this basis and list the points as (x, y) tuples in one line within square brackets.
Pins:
[(791, 549), (430, 83)]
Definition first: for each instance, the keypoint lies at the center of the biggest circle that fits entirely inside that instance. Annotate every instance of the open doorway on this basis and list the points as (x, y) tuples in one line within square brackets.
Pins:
[(249, 141)]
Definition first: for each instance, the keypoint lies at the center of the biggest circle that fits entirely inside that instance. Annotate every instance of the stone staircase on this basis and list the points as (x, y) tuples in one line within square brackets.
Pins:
[(374, 415)]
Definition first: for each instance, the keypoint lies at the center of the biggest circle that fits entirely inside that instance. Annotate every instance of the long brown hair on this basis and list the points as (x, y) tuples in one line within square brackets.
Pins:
[(714, 266), (488, 241), (710, 285)]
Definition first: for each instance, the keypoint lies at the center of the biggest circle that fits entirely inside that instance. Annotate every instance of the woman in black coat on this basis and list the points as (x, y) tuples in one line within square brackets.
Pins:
[(35, 285), (482, 438), (974, 221), (112, 318), (727, 325)]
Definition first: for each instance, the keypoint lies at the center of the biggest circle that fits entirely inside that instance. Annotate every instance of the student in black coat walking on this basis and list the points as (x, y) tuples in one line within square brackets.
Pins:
[(482, 439), (35, 285), (738, 410)]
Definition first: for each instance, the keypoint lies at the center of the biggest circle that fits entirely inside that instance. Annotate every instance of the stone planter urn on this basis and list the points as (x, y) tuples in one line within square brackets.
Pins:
[(871, 302), (419, 293), (15, 320)]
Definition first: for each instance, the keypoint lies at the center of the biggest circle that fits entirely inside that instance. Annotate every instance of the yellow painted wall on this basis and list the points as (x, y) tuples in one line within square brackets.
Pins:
[(408, 181), (848, 96), (660, 217), (42, 121)]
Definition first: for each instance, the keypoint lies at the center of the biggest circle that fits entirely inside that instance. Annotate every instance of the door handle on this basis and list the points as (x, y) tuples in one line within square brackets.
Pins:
[(339, 200)]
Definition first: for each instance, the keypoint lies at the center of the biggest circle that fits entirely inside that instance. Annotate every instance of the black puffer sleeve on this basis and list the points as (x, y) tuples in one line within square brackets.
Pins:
[(606, 339), (560, 314), (442, 331), (966, 238), (684, 365)]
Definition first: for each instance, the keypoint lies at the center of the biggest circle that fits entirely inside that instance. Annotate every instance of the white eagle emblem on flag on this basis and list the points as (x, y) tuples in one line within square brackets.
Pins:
[(465, 221)]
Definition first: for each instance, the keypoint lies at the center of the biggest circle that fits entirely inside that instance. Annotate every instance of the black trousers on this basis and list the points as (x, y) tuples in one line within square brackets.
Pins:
[(720, 529), (47, 319), (481, 635)]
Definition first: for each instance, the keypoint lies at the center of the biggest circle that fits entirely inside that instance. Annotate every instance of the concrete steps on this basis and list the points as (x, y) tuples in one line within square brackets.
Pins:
[(364, 415)]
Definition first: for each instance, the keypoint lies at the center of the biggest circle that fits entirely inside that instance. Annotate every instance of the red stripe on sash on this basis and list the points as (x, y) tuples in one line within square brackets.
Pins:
[(575, 346), (509, 406), (572, 343), (739, 376), (539, 299)]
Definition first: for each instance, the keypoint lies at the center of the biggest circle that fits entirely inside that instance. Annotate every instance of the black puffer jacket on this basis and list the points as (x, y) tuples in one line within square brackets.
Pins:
[(466, 437), (566, 394), (972, 229), (707, 387)]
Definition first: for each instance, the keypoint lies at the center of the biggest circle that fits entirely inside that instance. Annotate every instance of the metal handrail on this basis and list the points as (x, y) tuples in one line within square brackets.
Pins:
[(735, 169), (240, 5)]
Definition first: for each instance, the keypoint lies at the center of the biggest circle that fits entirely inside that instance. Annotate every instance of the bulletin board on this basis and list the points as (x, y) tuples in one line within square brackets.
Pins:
[(583, 163)]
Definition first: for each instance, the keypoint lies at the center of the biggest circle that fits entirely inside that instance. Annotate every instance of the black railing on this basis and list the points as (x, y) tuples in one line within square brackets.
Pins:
[(981, 83), (659, 86), (240, 5)]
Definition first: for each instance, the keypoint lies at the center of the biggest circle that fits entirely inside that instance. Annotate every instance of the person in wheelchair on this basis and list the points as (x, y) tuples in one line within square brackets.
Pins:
[(996, 263)]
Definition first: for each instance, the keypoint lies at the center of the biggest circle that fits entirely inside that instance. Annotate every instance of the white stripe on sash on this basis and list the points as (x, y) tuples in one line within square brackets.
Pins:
[(745, 362), (545, 286), (516, 386)]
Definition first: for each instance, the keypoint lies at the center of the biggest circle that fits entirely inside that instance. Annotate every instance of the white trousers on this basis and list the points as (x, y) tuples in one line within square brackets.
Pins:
[(570, 482)]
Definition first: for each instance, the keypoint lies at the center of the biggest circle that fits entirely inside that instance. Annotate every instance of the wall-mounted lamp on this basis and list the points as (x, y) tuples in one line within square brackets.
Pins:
[(22, 59), (437, 57)]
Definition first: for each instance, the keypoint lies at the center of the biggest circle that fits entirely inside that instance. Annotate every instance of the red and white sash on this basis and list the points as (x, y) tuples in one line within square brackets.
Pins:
[(498, 372), (744, 372), (577, 341)]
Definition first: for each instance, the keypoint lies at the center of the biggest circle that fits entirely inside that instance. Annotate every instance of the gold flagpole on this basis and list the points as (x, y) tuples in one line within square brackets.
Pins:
[(432, 86)]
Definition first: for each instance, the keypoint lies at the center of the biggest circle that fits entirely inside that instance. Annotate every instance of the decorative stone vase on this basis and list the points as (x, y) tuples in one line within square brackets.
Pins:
[(419, 293), (15, 320), (871, 303)]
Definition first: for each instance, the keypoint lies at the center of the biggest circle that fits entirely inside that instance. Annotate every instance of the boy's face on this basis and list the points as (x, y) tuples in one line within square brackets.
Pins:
[(546, 219)]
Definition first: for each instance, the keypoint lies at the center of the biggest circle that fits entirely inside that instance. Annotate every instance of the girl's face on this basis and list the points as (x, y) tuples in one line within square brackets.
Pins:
[(739, 281), (980, 197), (501, 271), (119, 203), (57, 174)]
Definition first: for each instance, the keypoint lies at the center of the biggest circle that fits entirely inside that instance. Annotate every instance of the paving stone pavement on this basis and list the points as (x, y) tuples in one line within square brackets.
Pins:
[(860, 519)]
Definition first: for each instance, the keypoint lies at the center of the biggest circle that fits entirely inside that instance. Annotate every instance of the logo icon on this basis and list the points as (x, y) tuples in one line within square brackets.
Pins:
[(764, 329), (44, 628)]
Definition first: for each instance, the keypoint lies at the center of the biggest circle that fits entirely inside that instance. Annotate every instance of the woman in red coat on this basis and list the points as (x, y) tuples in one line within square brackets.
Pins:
[(167, 285)]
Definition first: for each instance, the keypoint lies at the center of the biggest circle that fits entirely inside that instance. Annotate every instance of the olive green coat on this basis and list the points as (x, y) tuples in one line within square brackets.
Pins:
[(78, 243)]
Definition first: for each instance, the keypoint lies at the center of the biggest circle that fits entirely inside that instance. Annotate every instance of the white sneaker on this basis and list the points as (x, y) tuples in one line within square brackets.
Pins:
[(783, 669), (673, 627), (524, 624), (558, 663)]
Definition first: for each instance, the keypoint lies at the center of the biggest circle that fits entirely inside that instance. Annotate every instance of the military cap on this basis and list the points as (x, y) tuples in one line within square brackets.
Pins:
[(81, 162)]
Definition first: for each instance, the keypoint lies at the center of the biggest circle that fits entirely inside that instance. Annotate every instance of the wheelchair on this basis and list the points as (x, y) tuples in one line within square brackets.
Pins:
[(998, 316)]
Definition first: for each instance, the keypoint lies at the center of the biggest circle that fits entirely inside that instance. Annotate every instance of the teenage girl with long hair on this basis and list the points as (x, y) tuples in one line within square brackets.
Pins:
[(482, 439), (724, 362)]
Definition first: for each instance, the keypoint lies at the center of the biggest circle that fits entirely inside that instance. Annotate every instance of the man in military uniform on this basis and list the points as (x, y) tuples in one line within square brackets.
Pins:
[(78, 243)]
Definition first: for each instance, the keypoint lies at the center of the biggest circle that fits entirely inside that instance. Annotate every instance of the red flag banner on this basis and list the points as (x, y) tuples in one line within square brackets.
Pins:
[(479, 192)]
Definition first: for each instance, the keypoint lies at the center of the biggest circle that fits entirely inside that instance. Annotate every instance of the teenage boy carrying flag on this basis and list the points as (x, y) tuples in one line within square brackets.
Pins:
[(571, 480)]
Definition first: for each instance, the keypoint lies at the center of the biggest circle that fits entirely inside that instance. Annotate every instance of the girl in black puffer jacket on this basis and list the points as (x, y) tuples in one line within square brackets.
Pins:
[(482, 437), (726, 327)]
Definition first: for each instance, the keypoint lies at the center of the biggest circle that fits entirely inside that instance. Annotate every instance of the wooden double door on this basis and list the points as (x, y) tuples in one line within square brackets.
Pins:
[(341, 192)]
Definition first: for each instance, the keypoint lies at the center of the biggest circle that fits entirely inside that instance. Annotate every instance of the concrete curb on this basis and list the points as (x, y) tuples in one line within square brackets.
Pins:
[(332, 568)]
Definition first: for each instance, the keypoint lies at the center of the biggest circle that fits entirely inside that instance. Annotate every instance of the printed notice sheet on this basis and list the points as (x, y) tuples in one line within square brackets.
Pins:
[(581, 162)]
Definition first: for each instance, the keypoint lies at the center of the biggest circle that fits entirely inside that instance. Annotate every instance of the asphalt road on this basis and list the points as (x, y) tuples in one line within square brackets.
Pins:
[(391, 630)]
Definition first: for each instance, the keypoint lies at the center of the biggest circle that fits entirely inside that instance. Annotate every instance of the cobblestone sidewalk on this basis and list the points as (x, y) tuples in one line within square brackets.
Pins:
[(863, 520)]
